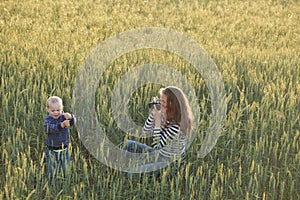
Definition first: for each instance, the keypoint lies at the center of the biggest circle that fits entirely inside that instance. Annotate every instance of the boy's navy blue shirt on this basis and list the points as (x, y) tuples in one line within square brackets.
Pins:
[(56, 135)]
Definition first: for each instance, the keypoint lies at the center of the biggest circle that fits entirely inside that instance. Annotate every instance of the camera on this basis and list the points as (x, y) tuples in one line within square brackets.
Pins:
[(155, 102)]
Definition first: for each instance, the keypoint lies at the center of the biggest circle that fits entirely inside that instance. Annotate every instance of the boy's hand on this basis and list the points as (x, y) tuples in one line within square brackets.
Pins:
[(65, 124), (68, 116)]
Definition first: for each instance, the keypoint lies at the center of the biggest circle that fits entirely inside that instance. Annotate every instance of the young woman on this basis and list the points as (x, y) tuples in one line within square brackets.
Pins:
[(168, 126)]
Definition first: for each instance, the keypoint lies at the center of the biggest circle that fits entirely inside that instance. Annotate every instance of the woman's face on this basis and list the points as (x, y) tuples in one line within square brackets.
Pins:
[(163, 103)]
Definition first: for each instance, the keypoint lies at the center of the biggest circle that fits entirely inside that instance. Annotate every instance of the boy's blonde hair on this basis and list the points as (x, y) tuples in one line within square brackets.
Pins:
[(54, 100)]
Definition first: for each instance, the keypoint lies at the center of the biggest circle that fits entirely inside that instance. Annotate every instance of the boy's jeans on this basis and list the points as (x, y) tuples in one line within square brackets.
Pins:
[(57, 162)]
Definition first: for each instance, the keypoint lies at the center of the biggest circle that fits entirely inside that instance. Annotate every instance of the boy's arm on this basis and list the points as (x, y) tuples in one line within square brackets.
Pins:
[(70, 117), (72, 120), (52, 127)]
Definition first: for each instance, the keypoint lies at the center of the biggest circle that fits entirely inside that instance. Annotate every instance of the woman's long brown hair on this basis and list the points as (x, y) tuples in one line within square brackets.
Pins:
[(178, 108)]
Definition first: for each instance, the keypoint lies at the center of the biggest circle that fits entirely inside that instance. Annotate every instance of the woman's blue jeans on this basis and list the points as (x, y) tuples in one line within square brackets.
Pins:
[(152, 168), (137, 147)]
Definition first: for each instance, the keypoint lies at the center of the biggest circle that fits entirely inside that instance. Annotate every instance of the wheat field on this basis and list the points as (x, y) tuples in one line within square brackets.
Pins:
[(256, 46)]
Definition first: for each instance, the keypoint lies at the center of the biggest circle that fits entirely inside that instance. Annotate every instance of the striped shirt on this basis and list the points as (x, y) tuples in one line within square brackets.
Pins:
[(167, 139)]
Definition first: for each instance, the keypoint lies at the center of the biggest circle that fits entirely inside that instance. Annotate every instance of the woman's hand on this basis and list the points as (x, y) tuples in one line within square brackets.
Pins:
[(157, 115)]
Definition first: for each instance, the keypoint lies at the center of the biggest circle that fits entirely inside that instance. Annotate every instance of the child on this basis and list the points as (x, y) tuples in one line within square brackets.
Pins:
[(56, 127)]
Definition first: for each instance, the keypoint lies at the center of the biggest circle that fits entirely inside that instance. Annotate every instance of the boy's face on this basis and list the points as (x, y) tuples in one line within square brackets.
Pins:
[(54, 110)]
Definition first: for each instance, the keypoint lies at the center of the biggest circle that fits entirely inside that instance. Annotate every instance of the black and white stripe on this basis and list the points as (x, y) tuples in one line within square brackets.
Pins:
[(167, 139)]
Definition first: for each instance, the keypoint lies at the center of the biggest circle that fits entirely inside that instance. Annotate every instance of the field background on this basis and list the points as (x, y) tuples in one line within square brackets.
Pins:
[(255, 44)]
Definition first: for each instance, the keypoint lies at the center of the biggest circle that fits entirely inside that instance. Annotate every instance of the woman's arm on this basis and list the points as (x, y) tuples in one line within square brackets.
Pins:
[(149, 124), (163, 135)]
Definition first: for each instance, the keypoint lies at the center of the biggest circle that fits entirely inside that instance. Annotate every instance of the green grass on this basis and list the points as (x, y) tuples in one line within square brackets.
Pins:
[(255, 45)]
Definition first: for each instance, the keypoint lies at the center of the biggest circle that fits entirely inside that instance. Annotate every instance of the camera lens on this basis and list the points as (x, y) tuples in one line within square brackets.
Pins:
[(157, 106), (155, 102)]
